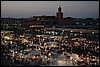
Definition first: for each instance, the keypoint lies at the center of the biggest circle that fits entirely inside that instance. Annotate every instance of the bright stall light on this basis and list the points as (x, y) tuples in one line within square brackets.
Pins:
[(6, 37)]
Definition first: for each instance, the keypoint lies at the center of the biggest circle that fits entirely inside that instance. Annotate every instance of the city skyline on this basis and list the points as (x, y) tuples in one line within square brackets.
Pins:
[(26, 9)]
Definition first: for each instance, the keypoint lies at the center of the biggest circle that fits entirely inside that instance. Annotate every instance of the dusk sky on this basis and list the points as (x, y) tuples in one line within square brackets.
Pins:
[(27, 9)]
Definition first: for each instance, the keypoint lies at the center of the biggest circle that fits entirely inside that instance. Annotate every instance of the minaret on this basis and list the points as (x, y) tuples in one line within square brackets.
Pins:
[(59, 14)]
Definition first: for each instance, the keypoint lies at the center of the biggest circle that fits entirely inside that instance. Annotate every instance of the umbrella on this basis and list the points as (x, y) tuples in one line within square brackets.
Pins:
[(35, 52), (36, 45), (52, 42), (42, 35)]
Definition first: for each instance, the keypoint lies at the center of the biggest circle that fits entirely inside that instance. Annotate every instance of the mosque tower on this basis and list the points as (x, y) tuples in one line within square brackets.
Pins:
[(59, 14)]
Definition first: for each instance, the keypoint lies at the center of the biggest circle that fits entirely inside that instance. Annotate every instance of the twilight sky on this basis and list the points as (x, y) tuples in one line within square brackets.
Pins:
[(26, 9)]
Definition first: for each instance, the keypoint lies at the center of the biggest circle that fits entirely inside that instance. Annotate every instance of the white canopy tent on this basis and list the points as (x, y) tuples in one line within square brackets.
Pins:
[(56, 37), (42, 35), (35, 52), (36, 45), (51, 42)]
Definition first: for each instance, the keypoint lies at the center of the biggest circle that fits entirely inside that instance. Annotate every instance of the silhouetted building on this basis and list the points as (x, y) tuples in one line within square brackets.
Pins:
[(10, 23), (34, 29), (50, 21), (59, 14)]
